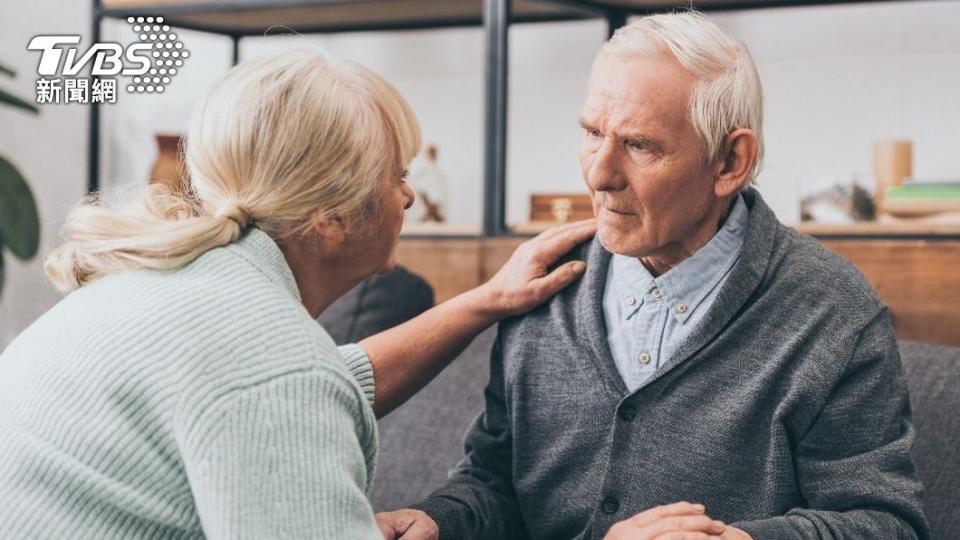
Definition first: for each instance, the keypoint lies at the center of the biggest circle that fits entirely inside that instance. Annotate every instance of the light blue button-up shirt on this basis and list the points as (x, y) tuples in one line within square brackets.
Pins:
[(648, 318)]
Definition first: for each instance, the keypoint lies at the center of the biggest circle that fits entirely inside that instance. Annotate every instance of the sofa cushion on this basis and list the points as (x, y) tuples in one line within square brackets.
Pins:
[(933, 377), (423, 439), (378, 303)]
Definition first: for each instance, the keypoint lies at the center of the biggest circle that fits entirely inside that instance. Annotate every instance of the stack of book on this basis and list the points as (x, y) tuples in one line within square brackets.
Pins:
[(930, 201)]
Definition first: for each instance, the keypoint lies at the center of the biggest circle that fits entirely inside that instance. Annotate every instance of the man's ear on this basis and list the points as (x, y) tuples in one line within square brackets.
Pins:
[(740, 154)]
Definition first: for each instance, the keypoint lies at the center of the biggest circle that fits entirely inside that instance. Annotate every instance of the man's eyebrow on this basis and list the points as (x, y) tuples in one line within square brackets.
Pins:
[(641, 138), (627, 135), (636, 136)]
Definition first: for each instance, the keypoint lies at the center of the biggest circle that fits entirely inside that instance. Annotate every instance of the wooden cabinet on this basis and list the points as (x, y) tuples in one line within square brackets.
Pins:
[(917, 273), (914, 269), (456, 265)]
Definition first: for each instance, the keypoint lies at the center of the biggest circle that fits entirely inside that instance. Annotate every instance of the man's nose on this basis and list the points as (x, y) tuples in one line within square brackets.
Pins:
[(604, 172)]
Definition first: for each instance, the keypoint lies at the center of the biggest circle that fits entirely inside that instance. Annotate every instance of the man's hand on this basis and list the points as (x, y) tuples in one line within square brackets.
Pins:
[(407, 524), (677, 521)]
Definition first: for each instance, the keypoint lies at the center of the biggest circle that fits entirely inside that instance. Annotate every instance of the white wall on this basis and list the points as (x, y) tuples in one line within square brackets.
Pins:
[(440, 72), (836, 78), (839, 77), (49, 149)]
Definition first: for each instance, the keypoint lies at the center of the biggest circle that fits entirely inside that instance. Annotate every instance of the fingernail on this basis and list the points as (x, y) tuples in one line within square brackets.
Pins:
[(699, 507), (579, 268), (718, 524)]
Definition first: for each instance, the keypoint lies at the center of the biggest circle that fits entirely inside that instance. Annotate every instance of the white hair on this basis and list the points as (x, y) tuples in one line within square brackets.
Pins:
[(277, 141), (727, 94)]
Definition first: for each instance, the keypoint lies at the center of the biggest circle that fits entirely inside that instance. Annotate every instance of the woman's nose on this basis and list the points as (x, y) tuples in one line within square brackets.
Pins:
[(409, 195)]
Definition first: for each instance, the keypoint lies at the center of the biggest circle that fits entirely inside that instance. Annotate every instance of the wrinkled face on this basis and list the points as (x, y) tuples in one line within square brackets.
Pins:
[(641, 158)]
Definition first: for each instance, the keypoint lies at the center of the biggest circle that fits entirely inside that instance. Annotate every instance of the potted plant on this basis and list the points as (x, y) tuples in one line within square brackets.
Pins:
[(19, 220)]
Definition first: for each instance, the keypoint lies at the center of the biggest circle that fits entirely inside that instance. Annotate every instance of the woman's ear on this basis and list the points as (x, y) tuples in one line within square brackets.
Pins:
[(740, 154), (331, 231), (319, 235)]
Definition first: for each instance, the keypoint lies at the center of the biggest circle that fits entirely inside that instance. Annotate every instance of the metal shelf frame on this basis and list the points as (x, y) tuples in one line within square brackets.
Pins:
[(496, 20)]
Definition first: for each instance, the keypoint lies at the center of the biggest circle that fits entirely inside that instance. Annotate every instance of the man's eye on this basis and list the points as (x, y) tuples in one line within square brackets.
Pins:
[(595, 133), (404, 175), (637, 145)]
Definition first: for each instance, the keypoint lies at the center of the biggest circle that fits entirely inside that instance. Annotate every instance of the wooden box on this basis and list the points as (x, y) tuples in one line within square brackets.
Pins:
[(560, 207)]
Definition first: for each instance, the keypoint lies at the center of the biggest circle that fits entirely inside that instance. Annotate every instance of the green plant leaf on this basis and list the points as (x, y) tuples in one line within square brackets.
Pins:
[(7, 71), (14, 101), (19, 220)]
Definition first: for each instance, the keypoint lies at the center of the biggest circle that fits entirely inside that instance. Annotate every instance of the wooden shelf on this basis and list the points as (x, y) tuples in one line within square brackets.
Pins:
[(641, 6), (822, 230), (532, 227), (414, 230), (455, 265), (254, 17), (913, 269), (916, 278), (879, 229)]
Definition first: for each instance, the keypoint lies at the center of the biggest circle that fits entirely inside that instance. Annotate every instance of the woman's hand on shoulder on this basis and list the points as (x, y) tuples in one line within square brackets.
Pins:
[(526, 280)]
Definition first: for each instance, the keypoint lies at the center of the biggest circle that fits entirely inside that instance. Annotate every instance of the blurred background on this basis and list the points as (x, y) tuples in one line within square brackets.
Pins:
[(859, 97)]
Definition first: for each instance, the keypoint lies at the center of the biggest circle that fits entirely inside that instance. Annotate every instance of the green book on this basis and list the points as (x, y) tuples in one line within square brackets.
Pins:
[(924, 191)]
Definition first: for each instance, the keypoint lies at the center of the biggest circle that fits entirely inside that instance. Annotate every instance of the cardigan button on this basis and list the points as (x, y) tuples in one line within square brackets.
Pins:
[(627, 412), (610, 505)]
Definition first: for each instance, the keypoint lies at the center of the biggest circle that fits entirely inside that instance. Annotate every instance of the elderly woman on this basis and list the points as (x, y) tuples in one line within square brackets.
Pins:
[(183, 388)]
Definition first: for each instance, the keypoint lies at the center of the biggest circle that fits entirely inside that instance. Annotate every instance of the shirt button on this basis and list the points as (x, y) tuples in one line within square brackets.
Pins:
[(644, 358), (610, 505), (628, 412), (681, 308), (656, 292), (632, 301)]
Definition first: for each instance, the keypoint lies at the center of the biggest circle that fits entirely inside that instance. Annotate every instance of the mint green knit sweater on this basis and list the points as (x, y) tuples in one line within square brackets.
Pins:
[(199, 402)]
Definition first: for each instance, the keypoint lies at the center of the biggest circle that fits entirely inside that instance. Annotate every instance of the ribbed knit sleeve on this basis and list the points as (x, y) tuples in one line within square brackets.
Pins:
[(283, 459), (358, 363)]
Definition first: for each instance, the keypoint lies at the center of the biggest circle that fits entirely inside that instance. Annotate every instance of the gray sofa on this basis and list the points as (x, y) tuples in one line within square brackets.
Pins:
[(378, 303), (423, 439)]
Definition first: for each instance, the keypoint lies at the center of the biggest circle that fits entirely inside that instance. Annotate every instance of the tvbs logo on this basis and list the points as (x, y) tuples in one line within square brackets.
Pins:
[(108, 58), (149, 64)]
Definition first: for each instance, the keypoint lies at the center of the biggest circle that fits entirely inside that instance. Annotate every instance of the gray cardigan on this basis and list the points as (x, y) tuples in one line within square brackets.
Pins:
[(785, 412)]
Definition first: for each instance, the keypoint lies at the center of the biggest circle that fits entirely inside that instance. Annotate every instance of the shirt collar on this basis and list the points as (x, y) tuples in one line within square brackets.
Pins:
[(685, 286), (631, 283)]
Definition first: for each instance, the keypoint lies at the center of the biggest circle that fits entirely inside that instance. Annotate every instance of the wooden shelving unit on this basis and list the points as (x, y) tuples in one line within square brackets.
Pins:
[(913, 268), (879, 230), (250, 18), (237, 19)]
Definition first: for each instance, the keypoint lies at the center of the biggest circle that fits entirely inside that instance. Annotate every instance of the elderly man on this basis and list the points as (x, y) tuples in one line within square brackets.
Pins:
[(710, 354)]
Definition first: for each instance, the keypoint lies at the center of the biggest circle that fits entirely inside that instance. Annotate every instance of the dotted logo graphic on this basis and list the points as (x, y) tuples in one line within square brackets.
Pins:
[(167, 55)]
